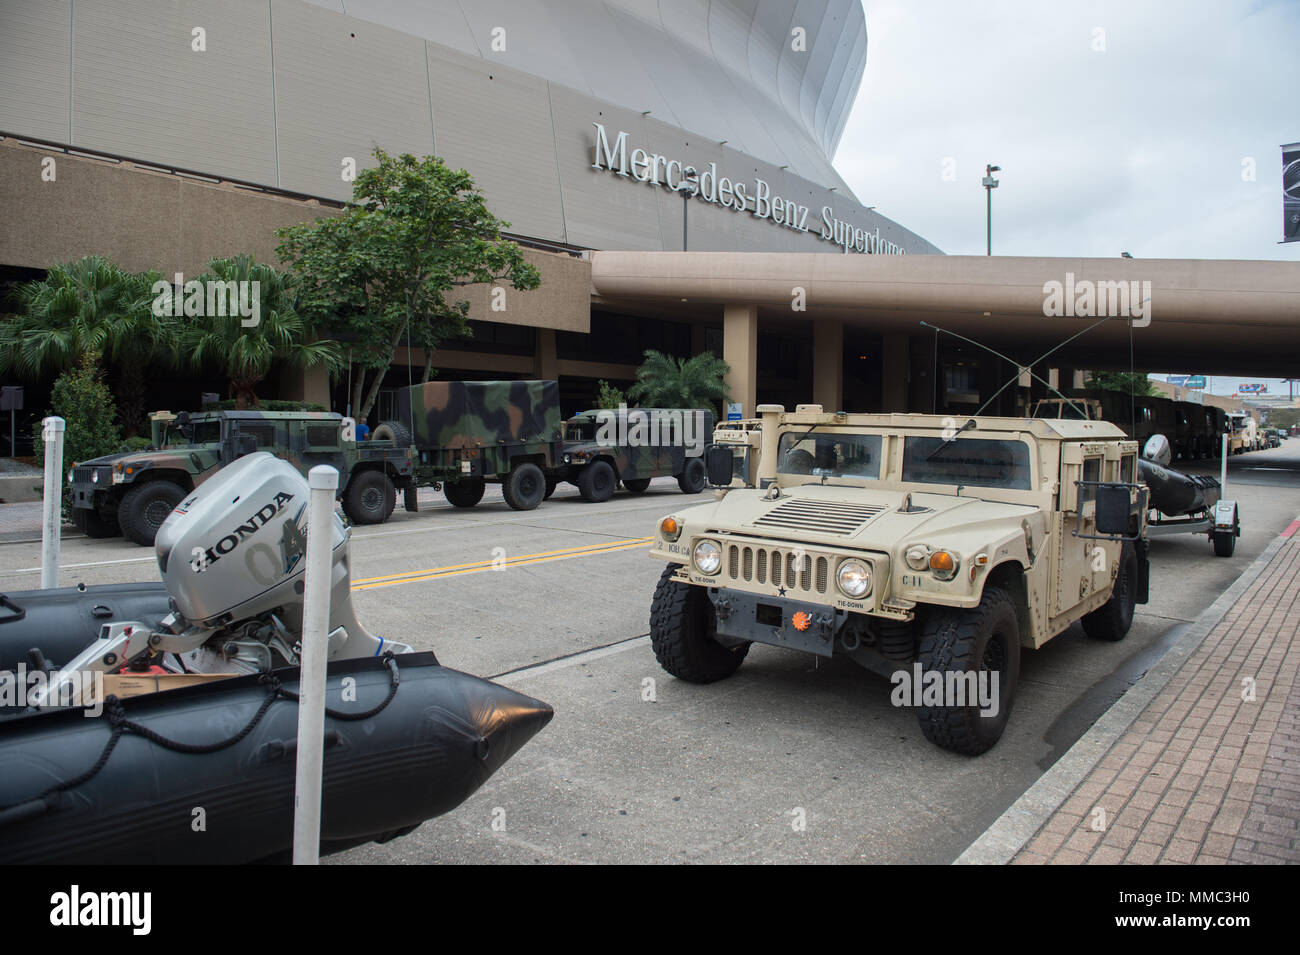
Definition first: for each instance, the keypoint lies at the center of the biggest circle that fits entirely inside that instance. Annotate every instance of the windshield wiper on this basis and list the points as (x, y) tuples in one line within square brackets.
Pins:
[(968, 426)]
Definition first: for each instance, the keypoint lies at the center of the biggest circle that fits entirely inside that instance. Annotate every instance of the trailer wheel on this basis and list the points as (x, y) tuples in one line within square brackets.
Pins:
[(525, 487), (693, 477), (637, 485), (370, 498), (1112, 620), (597, 482), (464, 493), (145, 507), (551, 484), (1225, 542)]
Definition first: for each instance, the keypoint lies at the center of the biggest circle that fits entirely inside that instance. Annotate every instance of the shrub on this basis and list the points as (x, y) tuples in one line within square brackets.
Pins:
[(84, 402)]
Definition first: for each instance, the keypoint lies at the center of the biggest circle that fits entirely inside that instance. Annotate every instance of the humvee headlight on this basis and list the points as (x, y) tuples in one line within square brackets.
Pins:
[(854, 578), (70, 474), (94, 476), (708, 557), (670, 528), (944, 564), (917, 557)]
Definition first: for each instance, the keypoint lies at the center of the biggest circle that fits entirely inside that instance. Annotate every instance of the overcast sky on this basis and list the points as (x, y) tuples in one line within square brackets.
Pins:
[(1137, 146)]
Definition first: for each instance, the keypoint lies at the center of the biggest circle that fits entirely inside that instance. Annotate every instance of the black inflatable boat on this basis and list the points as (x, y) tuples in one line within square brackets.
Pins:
[(205, 774)]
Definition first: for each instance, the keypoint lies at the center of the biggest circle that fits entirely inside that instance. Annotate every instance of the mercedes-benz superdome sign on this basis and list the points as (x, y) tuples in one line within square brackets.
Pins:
[(1291, 193)]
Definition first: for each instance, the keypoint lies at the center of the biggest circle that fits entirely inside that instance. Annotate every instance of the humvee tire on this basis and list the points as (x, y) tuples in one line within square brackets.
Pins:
[(92, 525), (370, 498), (597, 481), (1112, 620), (682, 627), (693, 477), (984, 638), (524, 487), (393, 431), (464, 493), (144, 508), (637, 485)]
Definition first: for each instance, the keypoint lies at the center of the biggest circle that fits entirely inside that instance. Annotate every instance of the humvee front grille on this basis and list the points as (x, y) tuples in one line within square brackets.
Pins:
[(830, 517), (778, 567), (82, 473)]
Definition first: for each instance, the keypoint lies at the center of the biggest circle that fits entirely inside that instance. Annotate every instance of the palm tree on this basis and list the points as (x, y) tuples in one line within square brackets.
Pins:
[(663, 381), (92, 309), (245, 346)]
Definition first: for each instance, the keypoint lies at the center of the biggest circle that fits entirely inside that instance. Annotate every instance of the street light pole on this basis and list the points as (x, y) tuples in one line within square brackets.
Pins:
[(989, 185)]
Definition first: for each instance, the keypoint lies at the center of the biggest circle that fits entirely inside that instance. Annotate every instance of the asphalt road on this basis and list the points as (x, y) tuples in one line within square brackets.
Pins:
[(790, 760)]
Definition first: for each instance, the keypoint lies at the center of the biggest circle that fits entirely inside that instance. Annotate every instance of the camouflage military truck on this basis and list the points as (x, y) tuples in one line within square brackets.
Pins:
[(605, 446), (931, 549), (469, 433), (133, 493)]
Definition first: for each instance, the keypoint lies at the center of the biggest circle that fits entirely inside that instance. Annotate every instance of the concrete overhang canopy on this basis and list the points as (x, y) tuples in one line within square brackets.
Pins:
[(1212, 315)]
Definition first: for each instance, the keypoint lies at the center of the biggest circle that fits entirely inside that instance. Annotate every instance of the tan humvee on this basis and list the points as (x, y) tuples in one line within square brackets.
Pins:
[(928, 548)]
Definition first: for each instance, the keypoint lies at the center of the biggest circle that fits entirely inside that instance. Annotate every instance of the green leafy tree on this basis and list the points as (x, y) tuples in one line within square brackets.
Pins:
[(607, 396), (90, 307), (260, 327), (663, 381), (379, 274), (1136, 383), (84, 402)]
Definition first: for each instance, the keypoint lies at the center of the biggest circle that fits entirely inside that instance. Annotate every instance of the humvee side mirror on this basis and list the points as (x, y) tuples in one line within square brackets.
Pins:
[(1112, 509), (719, 464)]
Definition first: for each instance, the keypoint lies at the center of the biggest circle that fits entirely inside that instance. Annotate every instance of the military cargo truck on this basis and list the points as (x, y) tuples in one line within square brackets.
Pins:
[(468, 433), (133, 493), (634, 445), (927, 548)]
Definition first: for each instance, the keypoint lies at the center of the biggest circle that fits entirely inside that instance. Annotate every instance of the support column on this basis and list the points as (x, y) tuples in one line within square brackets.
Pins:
[(828, 364), (894, 363), (311, 385), (740, 351), (545, 362)]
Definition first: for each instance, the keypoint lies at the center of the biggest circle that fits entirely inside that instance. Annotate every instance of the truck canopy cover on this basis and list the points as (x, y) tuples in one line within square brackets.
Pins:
[(466, 414)]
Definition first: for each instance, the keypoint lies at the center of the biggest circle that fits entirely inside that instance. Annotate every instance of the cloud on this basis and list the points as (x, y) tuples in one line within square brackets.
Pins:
[(1118, 125)]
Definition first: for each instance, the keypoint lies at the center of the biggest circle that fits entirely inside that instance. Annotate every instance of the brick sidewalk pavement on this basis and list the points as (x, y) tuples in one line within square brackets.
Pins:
[(1209, 772)]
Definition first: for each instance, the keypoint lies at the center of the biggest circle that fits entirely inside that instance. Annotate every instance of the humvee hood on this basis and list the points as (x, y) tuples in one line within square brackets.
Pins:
[(854, 516)]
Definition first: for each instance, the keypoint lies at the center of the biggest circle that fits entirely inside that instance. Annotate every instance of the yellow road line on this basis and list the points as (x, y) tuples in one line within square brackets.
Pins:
[(455, 570)]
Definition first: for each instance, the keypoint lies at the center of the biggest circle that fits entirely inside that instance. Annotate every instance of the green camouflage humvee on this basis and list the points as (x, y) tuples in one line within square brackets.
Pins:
[(467, 433), (133, 493), (605, 446)]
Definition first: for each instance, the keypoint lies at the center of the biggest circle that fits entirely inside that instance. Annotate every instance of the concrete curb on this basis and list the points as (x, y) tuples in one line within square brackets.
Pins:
[(1010, 832)]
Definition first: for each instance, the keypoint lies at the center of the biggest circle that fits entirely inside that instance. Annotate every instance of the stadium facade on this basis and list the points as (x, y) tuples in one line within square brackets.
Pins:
[(194, 128)]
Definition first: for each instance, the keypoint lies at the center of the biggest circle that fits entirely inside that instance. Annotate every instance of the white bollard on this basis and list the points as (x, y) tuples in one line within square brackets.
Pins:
[(1223, 468), (324, 481), (52, 517)]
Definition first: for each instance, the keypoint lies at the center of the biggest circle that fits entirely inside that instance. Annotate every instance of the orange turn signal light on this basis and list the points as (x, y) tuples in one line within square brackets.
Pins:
[(802, 621), (670, 528), (942, 561)]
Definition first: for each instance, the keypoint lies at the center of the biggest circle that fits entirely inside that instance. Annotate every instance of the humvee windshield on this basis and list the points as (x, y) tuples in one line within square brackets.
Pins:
[(207, 432), (830, 454), (1070, 412), (970, 462)]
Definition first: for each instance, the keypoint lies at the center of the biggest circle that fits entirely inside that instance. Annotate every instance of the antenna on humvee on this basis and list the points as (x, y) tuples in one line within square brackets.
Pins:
[(1030, 367)]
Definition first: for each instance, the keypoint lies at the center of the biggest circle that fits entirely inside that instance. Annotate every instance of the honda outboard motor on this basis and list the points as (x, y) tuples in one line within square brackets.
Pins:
[(233, 560)]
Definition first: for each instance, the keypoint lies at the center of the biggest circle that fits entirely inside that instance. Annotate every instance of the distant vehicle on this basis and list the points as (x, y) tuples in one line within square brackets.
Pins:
[(633, 445), (133, 493)]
